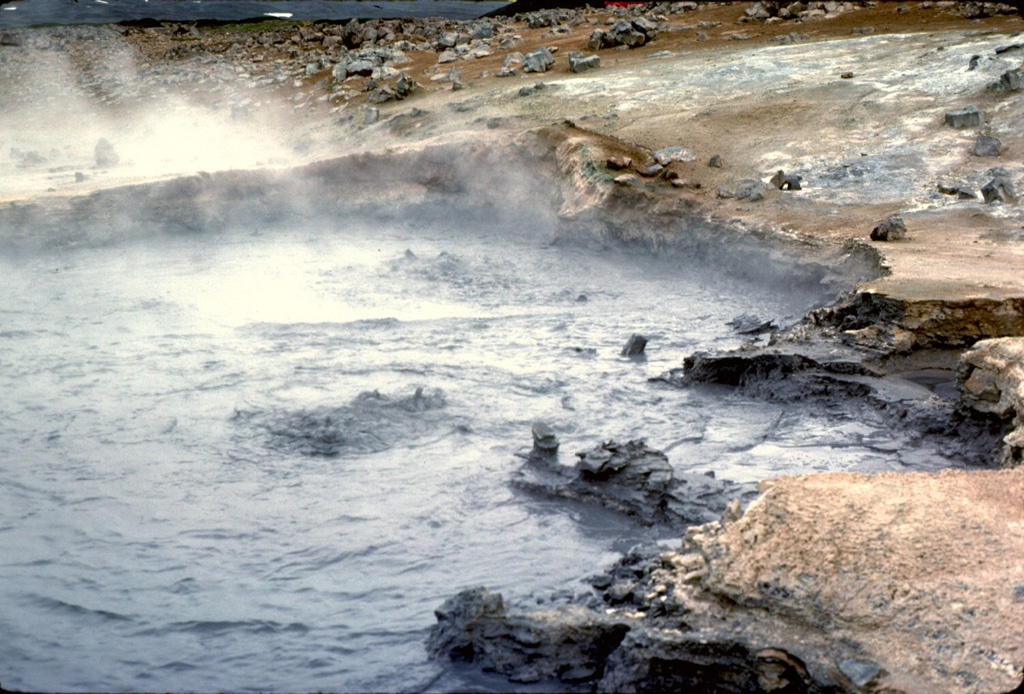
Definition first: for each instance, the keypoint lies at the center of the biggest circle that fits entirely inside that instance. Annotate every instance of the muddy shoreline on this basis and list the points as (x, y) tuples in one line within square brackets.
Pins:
[(828, 583)]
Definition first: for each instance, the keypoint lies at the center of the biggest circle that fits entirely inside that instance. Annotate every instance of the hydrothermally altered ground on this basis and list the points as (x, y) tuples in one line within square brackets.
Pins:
[(869, 147)]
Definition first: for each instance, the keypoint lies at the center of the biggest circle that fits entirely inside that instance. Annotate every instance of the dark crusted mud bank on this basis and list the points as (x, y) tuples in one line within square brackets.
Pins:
[(762, 601), (838, 583)]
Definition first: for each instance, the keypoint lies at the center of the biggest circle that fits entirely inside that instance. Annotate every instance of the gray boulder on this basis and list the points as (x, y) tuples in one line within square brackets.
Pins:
[(784, 181), (667, 155), (544, 440), (362, 67), (891, 229), (967, 117), (580, 63), (986, 146), (750, 189), (635, 345), (999, 189), (961, 192), (405, 85), (1010, 81), (626, 32), (623, 33), (539, 60)]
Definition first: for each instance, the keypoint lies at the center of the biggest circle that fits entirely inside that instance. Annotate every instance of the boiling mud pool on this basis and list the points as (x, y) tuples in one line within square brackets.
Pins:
[(259, 461)]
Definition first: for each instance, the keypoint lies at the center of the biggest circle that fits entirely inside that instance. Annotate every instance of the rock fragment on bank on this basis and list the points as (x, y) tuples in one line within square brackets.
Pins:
[(991, 380), (631, 478)]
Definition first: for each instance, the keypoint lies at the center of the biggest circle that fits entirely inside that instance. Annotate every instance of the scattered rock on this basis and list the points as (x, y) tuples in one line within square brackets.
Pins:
[(580, 63), (651, 171), (544, 440), (784, 181), (105, 154), (961, 192), (846, 75), (667, 155), (991, 380), (999, 189), (891, 229), (634, 479), (967, 117), (627, 179), (716, 161), (748, 324), (685, 183), (635, 345), (405, 85), (474, 626), (619, 163), (539, 60), (986, 146), (631, 33), (1010, 81)]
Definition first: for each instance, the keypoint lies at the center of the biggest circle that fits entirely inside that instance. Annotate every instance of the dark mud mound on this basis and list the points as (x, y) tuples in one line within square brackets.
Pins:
[(371, 423)]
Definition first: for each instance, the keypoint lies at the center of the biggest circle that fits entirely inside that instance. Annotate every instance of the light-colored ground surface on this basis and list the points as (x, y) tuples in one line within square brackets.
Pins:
[(923, 572), (867, 146)]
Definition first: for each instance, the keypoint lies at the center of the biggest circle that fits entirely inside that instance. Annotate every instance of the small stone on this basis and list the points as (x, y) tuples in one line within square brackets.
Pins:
[(580, 63), (627, 179), (685, 183), (405, 85), (846, 75), (986, 146), (999, 189), (889, 230), (652, 170), (79, 177), (619, 163), (961, 192), (667, 155), (715, 161), (784, 181), (750, 189), (1010, 81), (105, 154), (371, 115), (635, 345), (860, 672), (539, 60), (544, 440), (967, 117)]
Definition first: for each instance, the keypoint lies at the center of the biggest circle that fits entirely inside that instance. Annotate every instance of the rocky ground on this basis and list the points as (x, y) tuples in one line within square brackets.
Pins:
[(897, 132)]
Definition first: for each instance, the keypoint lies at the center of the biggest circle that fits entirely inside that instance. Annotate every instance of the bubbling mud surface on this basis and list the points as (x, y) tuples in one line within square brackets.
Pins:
[(259, 459)]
